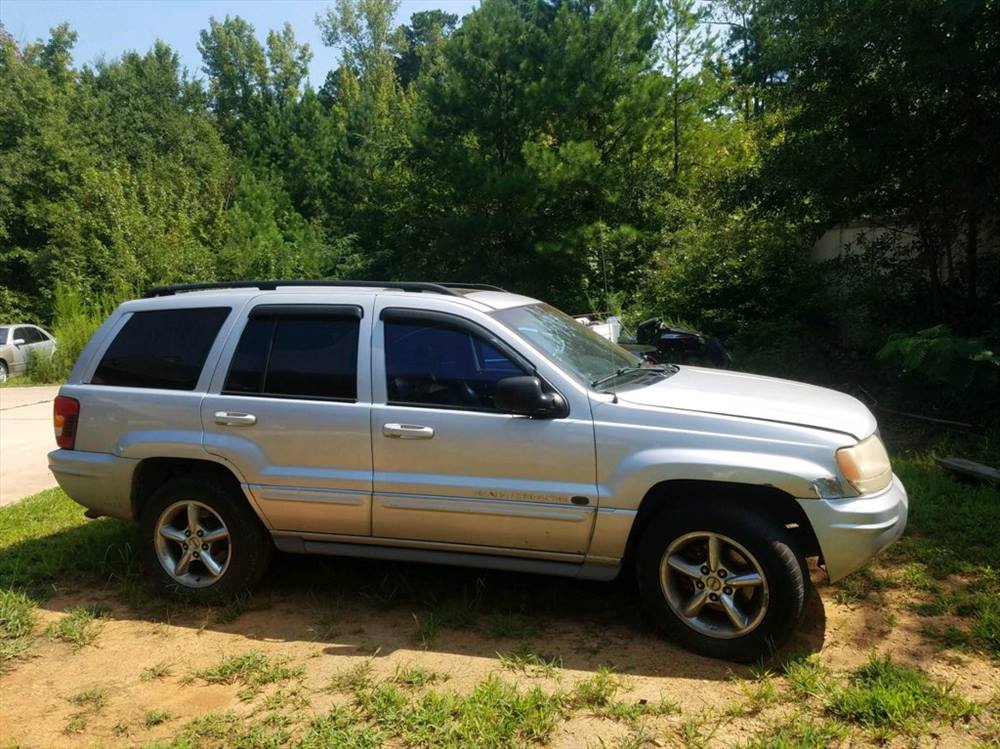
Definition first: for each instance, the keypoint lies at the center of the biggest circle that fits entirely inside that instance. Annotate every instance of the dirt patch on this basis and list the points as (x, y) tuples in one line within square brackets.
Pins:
[(145, 662)]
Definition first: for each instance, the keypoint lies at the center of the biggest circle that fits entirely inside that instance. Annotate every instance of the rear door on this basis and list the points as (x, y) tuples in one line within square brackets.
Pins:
[(21, 350), (46, 345), (289, 408)]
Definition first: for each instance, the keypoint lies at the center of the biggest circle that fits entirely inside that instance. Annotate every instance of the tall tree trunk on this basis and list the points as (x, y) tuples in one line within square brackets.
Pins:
[(971, 269), (676, 98)]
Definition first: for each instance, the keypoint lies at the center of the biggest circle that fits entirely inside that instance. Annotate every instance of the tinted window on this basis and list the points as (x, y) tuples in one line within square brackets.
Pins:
[(297, 356), (440, 364), (161, 349), (34, 335), (23, 334)]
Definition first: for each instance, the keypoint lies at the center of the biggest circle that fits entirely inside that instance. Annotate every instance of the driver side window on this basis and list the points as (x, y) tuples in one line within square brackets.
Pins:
[(431, 363)]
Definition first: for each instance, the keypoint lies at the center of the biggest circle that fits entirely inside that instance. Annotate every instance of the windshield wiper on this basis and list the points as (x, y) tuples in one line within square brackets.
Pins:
[(663, 369)]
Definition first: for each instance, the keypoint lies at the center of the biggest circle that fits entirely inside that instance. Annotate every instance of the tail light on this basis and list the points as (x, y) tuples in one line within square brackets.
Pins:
[(65, 415)]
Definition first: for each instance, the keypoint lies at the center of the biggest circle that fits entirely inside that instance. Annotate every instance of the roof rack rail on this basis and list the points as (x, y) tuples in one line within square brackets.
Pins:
[(436, 288), (472, 286)]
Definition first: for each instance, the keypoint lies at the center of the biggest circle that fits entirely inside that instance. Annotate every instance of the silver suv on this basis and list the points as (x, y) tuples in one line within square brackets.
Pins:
[(466, 425)]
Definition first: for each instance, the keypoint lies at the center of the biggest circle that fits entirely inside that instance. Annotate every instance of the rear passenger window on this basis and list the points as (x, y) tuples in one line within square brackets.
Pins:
[(295, 354), (161, 349)]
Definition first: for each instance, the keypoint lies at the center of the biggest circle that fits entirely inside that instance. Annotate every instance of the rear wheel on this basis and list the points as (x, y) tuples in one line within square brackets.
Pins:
[(723, 583), (201, 538)]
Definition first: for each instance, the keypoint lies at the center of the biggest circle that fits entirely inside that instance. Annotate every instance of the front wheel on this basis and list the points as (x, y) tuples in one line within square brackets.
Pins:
[(722, 583), (201, 538), (4, 372)]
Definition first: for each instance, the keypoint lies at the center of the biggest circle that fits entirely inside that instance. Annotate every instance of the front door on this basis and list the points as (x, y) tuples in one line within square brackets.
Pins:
[(291, 412), (451, 469)]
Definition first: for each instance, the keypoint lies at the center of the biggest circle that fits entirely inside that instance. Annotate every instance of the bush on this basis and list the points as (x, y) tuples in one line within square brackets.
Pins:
[(958, 368), (74, 322)]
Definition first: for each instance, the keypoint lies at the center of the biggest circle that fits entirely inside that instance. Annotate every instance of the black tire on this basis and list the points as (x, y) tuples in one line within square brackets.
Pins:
[(784, 570), (4, 372), (249, 543)]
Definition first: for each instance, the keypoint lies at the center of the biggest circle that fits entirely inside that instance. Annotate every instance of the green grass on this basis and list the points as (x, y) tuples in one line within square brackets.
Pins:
[(758, 693), (17, 619), (512, 625), (353, 679), (807, 676), (886, 697), (46, 541), (597, 691), (224, 730), (526, 661), (861, 585), (948, 560), (426, 627), (415, 675), (91, 702), (252, 669), (800, 732), (343, 728), (160, 670), (156, 717), (495, 715), (236, 606), (78, 626)]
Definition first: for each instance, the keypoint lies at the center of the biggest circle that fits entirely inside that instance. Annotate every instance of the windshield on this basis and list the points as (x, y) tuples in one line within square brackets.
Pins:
[(3, 336), (576, 348)]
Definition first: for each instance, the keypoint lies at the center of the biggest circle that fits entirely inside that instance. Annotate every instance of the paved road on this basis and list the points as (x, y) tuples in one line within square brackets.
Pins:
[(25, 440)]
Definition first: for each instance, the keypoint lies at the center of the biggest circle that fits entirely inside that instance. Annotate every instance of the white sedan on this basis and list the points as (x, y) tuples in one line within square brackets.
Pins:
[(18, 343)]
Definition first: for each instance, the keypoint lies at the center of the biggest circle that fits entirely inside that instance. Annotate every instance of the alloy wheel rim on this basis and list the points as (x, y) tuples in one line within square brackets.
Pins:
[(192, 544), (714, 585)]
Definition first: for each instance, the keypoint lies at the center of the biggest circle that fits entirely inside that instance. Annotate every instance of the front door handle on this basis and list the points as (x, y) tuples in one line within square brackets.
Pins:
[(233, 419), (407, 431)]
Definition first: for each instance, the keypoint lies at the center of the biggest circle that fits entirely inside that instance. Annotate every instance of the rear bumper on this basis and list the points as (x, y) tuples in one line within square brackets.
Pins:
[(99, 481), (851, 531)]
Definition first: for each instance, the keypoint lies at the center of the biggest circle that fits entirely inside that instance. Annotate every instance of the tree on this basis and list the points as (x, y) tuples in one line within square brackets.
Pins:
[(422, 42), (889, 110), (236, 66)]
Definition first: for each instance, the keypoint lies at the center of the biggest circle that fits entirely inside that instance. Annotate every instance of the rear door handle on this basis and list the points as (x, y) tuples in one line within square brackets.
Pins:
[(407, 431), (233, 419)]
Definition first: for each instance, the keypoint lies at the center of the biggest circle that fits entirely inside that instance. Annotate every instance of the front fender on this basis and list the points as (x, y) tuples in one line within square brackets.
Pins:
[(629, 480)]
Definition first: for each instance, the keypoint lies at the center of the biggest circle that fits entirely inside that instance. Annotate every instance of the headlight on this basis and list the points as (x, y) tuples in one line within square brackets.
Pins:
[(866, 465)]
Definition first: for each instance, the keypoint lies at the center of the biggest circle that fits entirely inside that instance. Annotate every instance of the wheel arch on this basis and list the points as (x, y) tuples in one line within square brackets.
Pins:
[(152, 473), (769, 501)]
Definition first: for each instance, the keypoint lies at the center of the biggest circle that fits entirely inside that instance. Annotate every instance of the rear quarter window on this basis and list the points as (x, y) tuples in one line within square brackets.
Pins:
[(163, 349)]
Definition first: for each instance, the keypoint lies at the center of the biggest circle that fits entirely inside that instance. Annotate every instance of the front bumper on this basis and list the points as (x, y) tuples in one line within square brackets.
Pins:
[(851, 531), (99, 481)]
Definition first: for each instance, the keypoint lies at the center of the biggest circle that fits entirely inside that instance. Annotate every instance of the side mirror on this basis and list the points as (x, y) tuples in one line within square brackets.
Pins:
[(524, 396), (19, 341)]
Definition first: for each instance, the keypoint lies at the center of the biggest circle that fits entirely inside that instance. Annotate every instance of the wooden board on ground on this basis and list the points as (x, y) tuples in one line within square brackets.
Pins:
[(970, 469)]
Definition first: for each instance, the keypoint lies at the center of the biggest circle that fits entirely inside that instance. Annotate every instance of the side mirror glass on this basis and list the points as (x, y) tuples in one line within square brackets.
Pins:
[(524, 396)]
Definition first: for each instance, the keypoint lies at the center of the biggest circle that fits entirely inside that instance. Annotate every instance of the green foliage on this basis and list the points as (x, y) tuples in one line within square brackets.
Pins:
[(17, 619), (75, 321), (938, 357), (672, 158), (80, 626), (253, 670), (883, 694), (45, 538)]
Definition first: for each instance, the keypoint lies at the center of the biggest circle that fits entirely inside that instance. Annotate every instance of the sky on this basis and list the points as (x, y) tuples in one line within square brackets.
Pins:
[(109, 27)]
